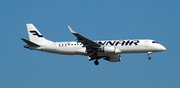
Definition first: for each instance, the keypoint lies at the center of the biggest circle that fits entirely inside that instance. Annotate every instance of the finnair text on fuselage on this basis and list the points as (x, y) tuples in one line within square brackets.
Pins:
[(112, 43), (119, 42)]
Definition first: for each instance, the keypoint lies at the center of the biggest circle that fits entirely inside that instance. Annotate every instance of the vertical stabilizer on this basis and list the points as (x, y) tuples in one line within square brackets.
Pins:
[(34, 35)]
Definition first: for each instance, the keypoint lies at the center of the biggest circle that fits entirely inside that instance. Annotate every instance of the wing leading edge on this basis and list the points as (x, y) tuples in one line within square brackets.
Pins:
[(90, 45)]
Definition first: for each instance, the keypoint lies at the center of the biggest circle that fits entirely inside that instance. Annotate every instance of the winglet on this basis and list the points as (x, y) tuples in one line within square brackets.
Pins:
[(71, 30)]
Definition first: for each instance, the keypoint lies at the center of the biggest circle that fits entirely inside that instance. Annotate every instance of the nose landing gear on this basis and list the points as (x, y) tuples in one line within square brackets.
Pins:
[(149, 55)]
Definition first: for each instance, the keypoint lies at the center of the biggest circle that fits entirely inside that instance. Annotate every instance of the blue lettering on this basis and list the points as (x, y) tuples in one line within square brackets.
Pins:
[(136, 42), (123, 43), (101, 42), (131, 43), (120, 42), (110, 43), (127, 42)]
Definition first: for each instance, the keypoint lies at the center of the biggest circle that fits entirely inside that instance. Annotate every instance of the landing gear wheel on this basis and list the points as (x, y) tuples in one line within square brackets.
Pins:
[(149, 55), (96, 62), (149, 58)]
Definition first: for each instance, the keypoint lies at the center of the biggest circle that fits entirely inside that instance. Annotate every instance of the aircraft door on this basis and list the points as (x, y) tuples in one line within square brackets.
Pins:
[(146, 43), (54, 44)]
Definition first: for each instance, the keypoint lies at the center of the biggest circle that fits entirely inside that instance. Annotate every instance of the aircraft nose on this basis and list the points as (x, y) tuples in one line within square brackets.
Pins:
[(163, 48)]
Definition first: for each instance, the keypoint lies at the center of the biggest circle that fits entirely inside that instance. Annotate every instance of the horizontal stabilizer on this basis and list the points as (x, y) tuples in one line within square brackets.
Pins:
[(32, 44)]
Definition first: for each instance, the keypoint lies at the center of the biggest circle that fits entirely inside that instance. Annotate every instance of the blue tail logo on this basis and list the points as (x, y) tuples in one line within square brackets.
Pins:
[(35, 33)]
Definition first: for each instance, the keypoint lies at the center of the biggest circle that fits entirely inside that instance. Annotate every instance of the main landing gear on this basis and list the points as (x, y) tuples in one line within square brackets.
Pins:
[(94, 56), (149, 55), (96, 62)]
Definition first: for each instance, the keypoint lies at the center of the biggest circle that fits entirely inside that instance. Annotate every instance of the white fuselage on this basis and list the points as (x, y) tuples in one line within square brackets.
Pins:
[(125, 46)]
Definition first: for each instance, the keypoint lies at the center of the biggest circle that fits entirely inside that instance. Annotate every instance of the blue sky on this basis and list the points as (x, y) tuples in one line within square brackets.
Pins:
[(97, 20)]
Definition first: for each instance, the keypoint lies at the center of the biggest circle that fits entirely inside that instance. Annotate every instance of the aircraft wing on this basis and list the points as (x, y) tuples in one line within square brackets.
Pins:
[(89, 44)]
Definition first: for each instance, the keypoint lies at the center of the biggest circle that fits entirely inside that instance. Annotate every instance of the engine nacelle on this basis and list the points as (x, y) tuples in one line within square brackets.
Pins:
[(113, 58), (111, 49)]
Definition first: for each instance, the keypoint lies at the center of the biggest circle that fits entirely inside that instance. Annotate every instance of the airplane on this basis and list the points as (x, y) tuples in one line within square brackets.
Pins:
[(109, 50)]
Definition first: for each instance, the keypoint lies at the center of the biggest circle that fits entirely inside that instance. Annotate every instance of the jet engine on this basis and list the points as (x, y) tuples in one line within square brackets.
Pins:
[(113, 58), (110, 49)]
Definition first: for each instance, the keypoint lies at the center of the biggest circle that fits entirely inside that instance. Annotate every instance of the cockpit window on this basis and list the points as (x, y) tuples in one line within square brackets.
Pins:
[(154, 42)]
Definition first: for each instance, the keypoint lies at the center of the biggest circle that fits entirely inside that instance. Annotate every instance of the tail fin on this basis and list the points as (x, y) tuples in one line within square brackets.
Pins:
[(34, 35)]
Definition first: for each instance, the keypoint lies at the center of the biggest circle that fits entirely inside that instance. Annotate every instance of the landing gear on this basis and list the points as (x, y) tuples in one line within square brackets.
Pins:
[(149, 55), (94, 53), (149, 58), (96, 62), (96, 58)]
